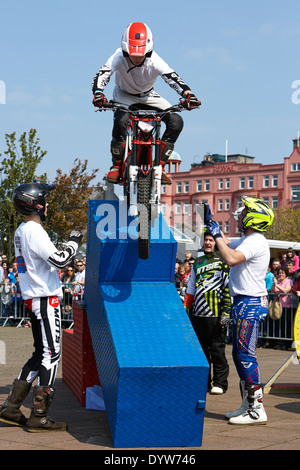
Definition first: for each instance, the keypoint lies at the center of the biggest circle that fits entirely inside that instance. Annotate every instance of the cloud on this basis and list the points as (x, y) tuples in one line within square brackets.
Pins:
[(23, 97), (267, 28), (219, 55)]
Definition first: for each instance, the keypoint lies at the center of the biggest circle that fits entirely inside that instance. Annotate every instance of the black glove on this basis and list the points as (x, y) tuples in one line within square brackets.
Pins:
[(224, 321), (99, 99), (191, 102), (75, 236), (207, 213)]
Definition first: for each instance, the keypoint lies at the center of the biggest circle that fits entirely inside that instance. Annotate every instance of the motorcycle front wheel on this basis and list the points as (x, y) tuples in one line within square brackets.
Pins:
[(144, 222)]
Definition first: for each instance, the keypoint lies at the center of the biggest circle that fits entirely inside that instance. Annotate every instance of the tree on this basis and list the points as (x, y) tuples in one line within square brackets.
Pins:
[(286, 225), (16, 167), (68, 203)]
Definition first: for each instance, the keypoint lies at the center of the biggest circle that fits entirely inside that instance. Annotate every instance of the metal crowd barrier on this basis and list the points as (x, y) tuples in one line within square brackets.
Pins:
[(12, 310), (271, 331), (282, 329)]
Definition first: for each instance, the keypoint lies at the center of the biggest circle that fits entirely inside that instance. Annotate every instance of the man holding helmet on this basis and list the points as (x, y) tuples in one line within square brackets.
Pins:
[(249, 258), (38, 261), (136, 66)]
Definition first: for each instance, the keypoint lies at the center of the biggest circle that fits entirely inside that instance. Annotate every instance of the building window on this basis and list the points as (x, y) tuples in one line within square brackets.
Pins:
[(250, 182), (266, 181), (220, 204), (226, 229), (163, 189), (185, 207), (186, 186), (295, 193), (275, 181), (178, 208), (199, 186), (242, 182), (206, 185), (275, 202), (266, 200), (295, 166), (221, 183), (196, 204), (227, 183), (163, 208), (178, 187), (227, 205)]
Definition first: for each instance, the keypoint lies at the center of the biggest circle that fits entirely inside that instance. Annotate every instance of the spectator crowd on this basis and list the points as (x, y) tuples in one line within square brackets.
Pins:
[(283, 285), (12, 310)]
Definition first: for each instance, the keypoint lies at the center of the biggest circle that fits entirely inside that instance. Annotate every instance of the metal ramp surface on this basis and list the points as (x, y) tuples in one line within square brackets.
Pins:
[(151, 367)]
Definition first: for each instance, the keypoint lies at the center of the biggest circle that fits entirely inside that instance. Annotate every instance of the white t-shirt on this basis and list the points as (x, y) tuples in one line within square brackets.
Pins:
[(248, 278), (33, 247)]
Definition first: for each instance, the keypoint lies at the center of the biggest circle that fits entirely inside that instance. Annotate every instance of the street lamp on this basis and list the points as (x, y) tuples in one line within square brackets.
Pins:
[(293, 196)]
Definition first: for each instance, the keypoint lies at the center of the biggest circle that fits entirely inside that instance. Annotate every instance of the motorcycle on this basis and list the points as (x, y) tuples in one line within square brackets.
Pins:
[(141, 168)]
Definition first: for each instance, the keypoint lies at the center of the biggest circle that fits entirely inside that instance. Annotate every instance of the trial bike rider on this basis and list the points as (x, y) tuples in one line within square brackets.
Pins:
[(136, 66)]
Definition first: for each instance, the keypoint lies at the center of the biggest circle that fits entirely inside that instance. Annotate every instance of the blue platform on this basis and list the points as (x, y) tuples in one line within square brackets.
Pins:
[(152, 369)]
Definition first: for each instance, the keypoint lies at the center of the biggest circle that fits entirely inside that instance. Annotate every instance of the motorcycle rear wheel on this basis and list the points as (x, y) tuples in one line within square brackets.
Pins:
[(144, 217)]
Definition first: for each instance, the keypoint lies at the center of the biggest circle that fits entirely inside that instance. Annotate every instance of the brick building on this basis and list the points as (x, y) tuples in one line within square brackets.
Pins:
[(221, 181)]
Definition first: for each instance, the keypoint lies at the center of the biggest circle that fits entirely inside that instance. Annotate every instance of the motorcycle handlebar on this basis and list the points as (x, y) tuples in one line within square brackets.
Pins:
[(114, 105)]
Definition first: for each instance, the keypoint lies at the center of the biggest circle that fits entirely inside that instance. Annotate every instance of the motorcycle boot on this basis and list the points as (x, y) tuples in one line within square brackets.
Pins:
[(166, 150), (10, 410), (117, 151), (255, 413), (39, 421), (244, 405)]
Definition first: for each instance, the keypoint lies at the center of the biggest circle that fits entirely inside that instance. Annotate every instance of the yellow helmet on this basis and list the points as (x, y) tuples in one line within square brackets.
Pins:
[(259, 215)]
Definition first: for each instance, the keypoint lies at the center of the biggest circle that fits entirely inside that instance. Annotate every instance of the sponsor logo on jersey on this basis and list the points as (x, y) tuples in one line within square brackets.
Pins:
[(53, 302)]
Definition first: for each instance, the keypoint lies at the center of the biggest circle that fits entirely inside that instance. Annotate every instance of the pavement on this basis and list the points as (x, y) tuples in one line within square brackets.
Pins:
[(89, 430)]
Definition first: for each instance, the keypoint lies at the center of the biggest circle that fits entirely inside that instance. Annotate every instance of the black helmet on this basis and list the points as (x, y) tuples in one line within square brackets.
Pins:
[(30, 198)]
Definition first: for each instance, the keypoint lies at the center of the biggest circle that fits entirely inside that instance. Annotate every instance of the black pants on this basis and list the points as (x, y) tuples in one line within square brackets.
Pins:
[(173, 122), (212, 339)]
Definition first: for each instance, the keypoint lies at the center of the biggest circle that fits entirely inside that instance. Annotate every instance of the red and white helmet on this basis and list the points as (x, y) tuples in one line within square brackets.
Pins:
[(137, 40)]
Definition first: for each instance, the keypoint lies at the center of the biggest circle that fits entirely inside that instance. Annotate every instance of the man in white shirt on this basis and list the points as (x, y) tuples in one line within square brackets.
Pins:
[(38, 261), (79, 281), (248, 258), (136, 67)]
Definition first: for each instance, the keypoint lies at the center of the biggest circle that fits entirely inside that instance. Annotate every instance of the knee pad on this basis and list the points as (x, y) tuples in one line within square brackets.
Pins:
[(166, 151), (117, 150)]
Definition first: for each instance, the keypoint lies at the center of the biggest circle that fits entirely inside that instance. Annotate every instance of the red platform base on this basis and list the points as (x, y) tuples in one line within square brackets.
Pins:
[(79, 369)]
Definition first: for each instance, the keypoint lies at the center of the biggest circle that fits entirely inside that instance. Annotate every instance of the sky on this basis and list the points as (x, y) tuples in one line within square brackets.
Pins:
[(241, 59)]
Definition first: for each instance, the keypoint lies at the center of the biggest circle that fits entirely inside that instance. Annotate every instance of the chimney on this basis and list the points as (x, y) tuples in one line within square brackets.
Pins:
[(296, 143)]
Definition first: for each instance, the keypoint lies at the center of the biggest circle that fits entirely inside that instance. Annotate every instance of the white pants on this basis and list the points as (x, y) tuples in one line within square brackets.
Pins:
[(150, 99), (45, 317)]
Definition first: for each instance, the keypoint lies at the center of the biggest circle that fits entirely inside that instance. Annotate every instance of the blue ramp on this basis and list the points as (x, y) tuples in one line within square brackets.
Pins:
[(152, 369)]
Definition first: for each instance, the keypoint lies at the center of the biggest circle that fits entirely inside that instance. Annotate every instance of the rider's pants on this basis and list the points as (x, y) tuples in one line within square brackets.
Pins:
[(45, 317), (247, 315), (152, 100)]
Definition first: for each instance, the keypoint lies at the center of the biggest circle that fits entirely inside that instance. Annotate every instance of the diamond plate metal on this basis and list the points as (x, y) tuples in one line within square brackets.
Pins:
[(152, 369)]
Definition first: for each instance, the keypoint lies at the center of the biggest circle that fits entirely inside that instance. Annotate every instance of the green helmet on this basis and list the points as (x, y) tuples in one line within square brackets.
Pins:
[(259, 215)]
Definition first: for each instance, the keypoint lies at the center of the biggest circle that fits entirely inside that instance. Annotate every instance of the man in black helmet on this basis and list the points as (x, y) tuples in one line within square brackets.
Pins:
[(38, 261)]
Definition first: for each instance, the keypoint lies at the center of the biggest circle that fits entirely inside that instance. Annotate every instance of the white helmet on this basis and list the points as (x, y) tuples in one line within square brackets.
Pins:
[(237, 213), (137, 40)]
